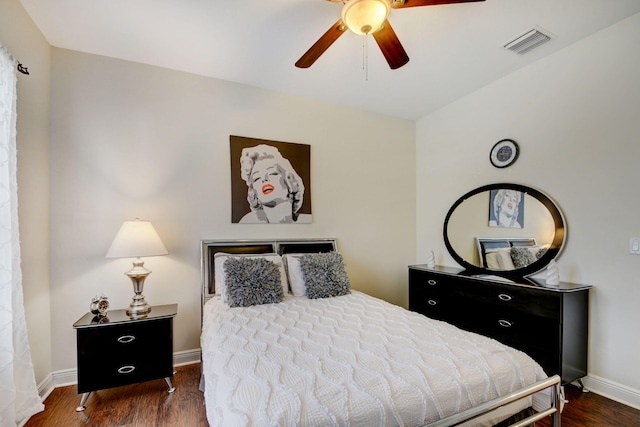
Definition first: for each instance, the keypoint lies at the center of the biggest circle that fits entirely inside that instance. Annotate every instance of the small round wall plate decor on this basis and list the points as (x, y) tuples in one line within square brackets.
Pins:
[(504, 153)]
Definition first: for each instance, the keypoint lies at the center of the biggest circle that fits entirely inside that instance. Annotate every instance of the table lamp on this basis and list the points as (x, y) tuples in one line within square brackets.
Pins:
[(137, 239)]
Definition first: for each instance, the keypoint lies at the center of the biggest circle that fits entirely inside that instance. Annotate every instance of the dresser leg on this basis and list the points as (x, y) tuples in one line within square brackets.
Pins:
[(83, 400), (171, 387), (584, 389)]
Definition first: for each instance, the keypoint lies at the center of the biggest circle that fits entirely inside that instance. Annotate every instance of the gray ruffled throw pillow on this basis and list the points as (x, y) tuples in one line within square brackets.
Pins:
[(521, 256), (252, 281), (324, 275)]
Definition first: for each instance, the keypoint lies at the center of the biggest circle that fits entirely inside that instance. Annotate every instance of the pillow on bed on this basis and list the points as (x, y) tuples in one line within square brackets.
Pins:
[(324, 275), (294, 274), (297, 279), (491, 259), (522, 256), (540, 251), (252, 281), (219, 271), (502, 257)]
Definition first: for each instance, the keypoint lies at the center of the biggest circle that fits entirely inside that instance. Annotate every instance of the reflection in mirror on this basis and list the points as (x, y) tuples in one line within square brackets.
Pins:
[(471, 220), (477, 238)]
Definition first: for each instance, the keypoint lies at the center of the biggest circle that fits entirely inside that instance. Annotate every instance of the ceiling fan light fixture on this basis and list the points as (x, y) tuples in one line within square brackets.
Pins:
[(365, 16)]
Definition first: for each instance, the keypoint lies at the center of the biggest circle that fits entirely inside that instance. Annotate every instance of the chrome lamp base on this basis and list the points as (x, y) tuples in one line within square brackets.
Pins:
[(139, 307)]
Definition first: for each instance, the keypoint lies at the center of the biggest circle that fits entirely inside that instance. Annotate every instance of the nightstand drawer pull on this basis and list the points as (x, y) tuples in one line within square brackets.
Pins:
[(126, 338), (432, 282), (505, 297), (432, 302), (505, 323), (127, 369)]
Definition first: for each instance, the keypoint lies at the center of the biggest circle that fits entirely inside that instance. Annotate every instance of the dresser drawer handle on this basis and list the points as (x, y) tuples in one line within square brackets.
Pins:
[(505, 297), (127, 369), (432, 302), (126, 339), (432, 282), (505, 323)]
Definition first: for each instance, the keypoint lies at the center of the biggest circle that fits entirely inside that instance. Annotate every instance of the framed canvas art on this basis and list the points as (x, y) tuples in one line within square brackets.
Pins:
[(506, 209), (270, 182)]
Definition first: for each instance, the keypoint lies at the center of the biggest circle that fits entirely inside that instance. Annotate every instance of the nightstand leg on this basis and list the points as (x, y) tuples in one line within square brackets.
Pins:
[(171, 387), (584, 389), (83, 400)]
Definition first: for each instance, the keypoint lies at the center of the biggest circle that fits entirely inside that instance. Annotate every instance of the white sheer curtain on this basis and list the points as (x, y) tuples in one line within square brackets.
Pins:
[(19, 398)]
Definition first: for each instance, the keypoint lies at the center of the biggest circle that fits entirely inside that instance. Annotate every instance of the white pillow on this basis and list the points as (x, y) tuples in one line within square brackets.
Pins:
[(294, 274), (218, 265), (504, 259), (491, 259)]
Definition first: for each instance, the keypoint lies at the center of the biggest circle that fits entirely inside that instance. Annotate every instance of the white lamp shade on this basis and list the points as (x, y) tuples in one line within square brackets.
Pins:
[(136, 239), (365, 16)]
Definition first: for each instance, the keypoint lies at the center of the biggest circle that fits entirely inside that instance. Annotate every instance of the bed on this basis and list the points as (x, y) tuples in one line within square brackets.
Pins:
[(508, 253), (310, 358)]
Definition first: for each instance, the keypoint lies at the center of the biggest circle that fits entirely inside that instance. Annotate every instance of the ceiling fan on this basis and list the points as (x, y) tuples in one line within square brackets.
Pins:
[(369, 17)]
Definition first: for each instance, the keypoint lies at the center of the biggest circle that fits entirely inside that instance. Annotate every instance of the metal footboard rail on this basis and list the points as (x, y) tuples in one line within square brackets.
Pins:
[(552, 383)]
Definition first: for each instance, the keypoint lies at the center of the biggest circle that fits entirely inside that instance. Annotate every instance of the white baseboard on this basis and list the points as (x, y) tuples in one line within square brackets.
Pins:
[(188, 357), (613, 390), (68, 377), (65, 377), (46, 387)]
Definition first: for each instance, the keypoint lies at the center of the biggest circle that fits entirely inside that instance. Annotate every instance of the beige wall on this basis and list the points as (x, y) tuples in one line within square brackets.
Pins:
[(20, 36), (130, 140), (575, 116)]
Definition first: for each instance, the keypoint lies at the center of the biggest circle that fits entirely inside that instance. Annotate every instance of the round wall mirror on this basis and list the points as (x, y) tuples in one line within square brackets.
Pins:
[(507, 230)]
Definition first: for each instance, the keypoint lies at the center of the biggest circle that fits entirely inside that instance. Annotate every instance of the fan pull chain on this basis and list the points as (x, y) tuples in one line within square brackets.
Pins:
[(365, 57)]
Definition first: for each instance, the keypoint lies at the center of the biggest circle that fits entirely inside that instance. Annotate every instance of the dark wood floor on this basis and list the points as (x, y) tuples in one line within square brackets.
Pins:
[(148, 404), (145, 404), (593, 410)]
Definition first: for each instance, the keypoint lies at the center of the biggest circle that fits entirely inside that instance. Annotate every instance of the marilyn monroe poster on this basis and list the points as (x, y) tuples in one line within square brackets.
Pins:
[(270, 182)]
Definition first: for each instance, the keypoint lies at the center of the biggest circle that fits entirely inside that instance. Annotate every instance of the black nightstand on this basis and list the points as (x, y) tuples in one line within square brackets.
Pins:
[(117, 350)]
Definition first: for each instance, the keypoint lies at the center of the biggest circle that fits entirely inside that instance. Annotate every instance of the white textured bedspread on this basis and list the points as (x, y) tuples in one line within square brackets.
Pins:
[(352, 360)]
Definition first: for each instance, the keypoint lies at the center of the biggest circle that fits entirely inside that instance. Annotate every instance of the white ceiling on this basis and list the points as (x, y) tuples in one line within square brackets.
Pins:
[(454, 49)]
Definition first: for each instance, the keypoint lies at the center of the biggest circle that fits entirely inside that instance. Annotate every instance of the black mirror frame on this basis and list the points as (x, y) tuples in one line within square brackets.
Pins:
[(554, 250)]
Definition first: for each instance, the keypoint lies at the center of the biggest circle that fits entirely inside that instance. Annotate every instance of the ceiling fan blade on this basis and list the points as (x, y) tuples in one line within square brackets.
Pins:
[(390, 46), (321, 45), (397, 4)]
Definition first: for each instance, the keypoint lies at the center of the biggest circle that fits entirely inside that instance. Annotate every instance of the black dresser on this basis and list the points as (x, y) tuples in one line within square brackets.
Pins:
[(118, 350), (550, 324)]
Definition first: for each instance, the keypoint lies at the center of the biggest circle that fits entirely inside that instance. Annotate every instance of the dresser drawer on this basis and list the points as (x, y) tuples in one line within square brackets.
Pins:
[(517, 329), (493, 296), (429, 296), (425, 278), (548, 359), (434, 306)]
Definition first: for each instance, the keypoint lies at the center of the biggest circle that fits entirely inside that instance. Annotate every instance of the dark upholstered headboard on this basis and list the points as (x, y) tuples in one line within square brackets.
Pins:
[(285, 246)]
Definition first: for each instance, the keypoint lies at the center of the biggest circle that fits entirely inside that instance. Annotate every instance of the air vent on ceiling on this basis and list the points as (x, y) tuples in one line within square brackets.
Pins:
[(528, 41)]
